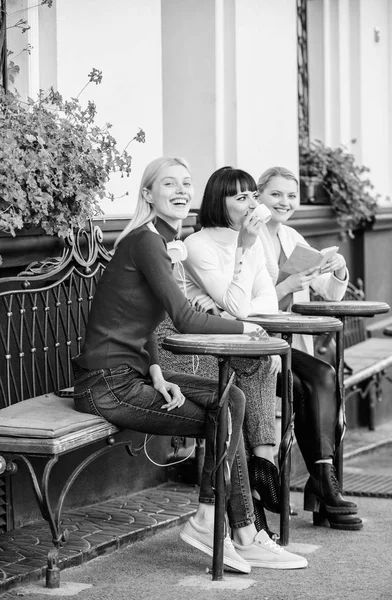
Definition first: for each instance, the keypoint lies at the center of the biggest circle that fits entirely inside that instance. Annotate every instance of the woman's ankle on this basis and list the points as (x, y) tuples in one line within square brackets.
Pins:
[(205, 514), (264, 451), (244, 535)]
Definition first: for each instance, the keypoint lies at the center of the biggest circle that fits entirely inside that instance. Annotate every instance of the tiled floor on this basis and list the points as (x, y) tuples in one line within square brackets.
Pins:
[(93, 531), (112, 524)]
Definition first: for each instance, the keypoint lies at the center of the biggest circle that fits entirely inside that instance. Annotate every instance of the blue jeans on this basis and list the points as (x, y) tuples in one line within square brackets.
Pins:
[(127, 399)]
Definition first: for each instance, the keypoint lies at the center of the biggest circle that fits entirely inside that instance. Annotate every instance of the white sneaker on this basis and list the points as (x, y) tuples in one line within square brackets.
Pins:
[(266, 553), (202, 538)]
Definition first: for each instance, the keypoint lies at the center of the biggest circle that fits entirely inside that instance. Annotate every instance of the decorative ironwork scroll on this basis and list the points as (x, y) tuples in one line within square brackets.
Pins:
[(43, 316)]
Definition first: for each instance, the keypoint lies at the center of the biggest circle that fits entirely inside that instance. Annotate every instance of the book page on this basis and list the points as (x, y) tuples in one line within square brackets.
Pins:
[(328, 253), (305, 257)]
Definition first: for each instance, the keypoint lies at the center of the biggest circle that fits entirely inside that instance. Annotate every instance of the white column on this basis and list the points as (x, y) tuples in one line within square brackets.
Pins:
[(231, 96), (344, 72), (192, 96), (266, 77), (355, 78), (375, 88), (219, 83), (332, 52), (389, 184), (327, 71), (33, 41)]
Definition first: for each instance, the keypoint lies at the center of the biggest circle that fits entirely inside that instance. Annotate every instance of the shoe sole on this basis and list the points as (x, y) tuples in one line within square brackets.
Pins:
[(336, 510), (271, 565), (354, 527), (241, 568)]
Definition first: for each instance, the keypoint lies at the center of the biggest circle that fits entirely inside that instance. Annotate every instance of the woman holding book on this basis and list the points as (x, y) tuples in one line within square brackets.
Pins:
[(314, 380)]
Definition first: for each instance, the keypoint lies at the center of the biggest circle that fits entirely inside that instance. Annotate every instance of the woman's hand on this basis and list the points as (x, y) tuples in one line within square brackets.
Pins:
[(337, 265), (249, 231), (276, 365), (172, 394), (256, 330), (301, 280), (170, 391), (203, 303)]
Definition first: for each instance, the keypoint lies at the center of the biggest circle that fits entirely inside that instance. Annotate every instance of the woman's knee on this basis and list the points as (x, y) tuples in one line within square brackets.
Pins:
[(237, 403), (315, 372), (325, 376)]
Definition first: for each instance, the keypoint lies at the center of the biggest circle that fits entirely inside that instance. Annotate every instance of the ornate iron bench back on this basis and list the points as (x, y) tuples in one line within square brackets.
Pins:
[(43, 315), (354, 328)]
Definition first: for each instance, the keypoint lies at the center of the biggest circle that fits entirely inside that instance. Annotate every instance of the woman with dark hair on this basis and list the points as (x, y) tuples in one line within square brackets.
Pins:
[(315, 404), (225, 273), (118, 376)]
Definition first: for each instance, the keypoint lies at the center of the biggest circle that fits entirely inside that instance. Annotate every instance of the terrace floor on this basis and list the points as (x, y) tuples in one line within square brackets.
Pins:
[(143, 530)]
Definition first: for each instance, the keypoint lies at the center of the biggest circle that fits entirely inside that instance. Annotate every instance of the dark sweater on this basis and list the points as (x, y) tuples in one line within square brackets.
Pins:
[(132, 298)]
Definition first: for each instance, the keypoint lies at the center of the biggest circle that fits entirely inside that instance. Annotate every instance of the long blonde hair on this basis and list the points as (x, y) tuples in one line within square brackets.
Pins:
[(145, 211)]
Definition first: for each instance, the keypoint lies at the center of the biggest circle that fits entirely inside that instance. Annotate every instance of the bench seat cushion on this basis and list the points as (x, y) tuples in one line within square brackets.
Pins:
[(367, 358), (49, 424)]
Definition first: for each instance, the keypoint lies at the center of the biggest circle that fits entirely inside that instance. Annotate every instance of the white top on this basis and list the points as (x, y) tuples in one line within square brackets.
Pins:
[(237, 281), (326, 285)]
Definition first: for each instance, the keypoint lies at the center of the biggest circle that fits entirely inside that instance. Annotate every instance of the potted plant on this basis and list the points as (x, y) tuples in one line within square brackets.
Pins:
[(312, 172), (344, 183), (55, 162)]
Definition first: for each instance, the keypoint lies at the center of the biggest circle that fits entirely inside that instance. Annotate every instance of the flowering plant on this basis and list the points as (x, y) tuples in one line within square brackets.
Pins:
[(346, 184), (55, 161)]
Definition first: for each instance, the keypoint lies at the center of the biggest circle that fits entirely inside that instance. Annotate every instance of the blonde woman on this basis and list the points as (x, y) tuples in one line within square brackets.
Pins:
[(118, 375), (315, 404)]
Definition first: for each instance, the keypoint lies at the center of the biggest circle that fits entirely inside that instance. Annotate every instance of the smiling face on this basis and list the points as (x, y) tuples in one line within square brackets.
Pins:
[(171, 193), (238, 206), (280, 195)]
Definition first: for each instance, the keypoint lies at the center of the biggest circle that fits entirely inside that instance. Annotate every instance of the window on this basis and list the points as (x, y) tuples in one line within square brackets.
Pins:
[(28, 45)]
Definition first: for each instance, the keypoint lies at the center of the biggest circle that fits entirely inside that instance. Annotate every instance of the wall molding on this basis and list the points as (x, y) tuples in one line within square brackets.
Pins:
[(31, 245)]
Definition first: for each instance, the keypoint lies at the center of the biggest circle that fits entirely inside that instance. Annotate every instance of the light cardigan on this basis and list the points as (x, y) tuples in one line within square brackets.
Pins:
[(237, 281), (326, 285)]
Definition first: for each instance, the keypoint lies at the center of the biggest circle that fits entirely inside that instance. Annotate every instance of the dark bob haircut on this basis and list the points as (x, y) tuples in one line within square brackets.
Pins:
[(222, 183)]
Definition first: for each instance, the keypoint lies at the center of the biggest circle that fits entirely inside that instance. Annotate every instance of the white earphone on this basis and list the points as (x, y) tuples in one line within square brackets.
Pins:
[(176, 249)]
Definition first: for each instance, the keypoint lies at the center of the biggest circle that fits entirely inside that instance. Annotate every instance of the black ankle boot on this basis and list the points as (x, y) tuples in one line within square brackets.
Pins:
[(261, 519), (264, 478), (323, 490), (336, 521)]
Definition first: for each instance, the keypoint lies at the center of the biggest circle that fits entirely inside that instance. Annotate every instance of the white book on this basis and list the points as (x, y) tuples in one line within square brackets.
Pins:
[(304, 257)]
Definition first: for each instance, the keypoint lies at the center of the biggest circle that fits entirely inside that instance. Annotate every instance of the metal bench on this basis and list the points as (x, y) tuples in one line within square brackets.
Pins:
[(43, 315), (366, 360)]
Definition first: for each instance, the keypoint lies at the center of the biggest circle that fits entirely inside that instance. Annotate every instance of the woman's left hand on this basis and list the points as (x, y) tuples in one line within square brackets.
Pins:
[(171, 392), (276, 365), (336, 264), (203, 303)]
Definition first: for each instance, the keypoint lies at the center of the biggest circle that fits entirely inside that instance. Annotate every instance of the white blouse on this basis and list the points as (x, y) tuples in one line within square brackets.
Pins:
[(237, 281)]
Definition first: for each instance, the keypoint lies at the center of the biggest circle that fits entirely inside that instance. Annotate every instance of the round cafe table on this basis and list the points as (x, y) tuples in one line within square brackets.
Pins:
[(287, 324), (223, 347), (341, 310)]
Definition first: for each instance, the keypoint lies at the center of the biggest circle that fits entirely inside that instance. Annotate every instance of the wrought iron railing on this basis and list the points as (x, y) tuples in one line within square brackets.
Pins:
[(43, 315), (303, 76)]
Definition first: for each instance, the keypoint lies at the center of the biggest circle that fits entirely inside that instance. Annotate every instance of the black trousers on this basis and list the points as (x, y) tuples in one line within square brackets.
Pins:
[(315, 407)]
